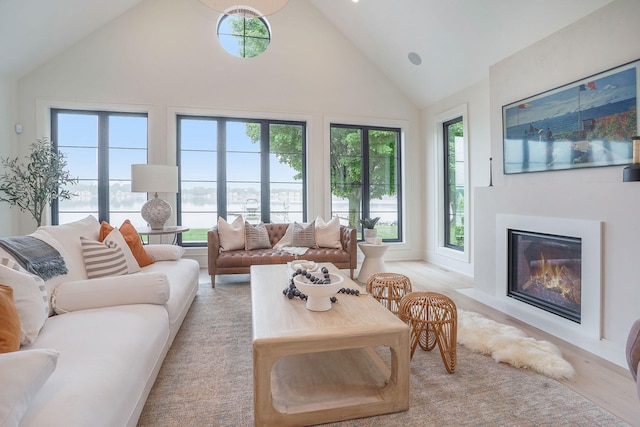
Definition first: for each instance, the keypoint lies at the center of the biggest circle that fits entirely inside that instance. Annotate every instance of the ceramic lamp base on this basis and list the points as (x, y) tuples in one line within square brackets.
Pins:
[(156, 212)]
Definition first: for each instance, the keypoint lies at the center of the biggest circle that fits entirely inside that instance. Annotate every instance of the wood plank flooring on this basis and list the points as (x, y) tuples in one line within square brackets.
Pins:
[(604, 383)]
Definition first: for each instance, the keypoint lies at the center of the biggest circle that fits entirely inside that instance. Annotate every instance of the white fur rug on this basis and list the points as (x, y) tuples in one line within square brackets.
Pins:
[(509, 344)]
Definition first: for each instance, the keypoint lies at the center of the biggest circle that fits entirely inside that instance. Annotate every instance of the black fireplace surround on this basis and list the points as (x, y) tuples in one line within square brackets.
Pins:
[(544, 270)]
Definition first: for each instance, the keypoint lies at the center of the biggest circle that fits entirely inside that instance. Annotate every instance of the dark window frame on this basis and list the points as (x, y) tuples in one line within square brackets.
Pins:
[(221, 177), (446, 183), (103, 153), (366, 198)]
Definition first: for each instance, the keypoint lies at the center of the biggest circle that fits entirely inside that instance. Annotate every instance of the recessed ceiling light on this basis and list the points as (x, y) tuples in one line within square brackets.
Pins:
[(414, 58)]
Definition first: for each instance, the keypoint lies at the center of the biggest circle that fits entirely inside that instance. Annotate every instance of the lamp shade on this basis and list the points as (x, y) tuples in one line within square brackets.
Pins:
[(154, 178)]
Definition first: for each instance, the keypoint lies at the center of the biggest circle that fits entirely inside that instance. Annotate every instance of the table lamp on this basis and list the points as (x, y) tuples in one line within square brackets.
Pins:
[(155, 179)]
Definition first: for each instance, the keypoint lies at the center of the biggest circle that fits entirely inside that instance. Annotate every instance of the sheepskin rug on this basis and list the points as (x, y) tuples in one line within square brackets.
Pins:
[(510, 345)]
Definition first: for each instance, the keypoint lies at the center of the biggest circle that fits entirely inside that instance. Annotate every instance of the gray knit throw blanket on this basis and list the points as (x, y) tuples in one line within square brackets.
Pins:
[(35, 255)]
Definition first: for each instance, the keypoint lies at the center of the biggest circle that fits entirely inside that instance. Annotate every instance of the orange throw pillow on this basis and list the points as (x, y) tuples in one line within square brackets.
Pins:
[(9, 321), (105, 229), (132, 238)]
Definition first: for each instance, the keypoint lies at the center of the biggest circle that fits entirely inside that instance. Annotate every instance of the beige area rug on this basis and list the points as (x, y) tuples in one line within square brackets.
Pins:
[(510, 345), (206, 380)]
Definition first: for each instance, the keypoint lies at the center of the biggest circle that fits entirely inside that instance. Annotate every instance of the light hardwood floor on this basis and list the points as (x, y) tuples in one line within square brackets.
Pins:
[(604, 383)]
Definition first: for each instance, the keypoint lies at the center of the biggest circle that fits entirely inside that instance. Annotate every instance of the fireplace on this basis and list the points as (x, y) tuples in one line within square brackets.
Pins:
[(544, 270)]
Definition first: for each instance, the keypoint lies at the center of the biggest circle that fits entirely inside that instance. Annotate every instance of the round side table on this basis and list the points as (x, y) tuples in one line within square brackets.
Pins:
[(373, 261)]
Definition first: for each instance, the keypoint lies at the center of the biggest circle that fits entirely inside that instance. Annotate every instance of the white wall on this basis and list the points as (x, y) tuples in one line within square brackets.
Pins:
[(8, 92), (600, 41), (476, 99), (164, 55)]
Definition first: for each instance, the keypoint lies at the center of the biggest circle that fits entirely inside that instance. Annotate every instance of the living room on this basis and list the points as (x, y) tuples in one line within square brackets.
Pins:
[(162, 57)]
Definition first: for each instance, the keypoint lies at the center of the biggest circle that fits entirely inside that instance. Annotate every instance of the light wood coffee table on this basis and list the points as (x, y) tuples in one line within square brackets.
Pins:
[(317, 367)]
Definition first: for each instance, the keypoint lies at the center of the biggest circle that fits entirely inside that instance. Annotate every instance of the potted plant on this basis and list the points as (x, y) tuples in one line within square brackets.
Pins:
[(33, 186), (370, 233)]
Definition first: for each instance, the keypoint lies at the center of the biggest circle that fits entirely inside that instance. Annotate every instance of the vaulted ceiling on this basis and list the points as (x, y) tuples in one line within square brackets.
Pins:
[(456, 40)]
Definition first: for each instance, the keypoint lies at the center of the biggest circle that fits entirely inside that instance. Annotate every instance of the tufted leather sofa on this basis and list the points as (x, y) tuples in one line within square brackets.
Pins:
[(239, 262)]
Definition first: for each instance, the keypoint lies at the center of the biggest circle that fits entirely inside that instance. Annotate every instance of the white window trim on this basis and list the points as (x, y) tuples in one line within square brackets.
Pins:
[(440, 248)]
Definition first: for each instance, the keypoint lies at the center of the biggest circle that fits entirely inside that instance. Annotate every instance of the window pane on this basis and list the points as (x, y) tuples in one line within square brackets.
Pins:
[(454, 181), (198, 166), (77, 130), (198, 134), (128, 132)]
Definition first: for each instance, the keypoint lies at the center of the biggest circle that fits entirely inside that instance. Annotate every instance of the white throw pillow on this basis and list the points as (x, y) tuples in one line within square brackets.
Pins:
[(164, 252), (287, 239), (29, 296), (22, 374), (328, 234), (116, 237), (139, 288), (102, 258), (231, 235)]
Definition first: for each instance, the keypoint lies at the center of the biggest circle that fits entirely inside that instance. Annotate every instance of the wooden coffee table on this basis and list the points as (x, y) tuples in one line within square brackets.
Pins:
[(317, 367)]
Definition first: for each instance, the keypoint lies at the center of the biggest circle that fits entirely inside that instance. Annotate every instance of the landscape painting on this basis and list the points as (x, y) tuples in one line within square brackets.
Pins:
[(588, 123)]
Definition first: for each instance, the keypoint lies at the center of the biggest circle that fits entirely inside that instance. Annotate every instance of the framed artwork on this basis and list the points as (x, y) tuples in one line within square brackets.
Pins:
[(587, 123)]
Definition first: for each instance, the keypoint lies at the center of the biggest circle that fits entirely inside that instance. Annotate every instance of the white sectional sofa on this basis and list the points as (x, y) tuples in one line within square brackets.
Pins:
[(97, 356)]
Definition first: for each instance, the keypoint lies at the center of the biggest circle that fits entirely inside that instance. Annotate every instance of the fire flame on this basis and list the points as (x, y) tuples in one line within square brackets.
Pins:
[(555, 277)]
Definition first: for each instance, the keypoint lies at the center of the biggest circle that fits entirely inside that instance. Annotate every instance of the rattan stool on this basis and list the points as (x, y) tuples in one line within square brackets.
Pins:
[(388, 289), (433, 319)]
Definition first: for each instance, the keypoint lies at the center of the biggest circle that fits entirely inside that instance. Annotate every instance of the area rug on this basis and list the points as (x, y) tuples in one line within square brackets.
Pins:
[(206, 380), (510, 345)]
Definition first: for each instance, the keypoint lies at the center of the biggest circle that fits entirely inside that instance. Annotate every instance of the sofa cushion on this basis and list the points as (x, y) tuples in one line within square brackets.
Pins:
[(231, 235), (132, 238), (328, 233), (22, 374), (287, 239), (116, 237), (138, 288), (68, 236), (102, 259), (164, 252), (29, 296), (10, 324), (256, 237), (107, 359), (304, 235)]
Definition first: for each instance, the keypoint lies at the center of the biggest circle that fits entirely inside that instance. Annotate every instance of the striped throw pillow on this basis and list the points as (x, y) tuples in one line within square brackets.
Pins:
[(103, 259), (304, 236), (256, 237)]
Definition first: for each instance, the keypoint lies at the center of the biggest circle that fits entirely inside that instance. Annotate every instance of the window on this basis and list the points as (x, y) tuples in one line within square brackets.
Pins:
[(232, 166), (454, 192), (365, 177), (100, 148), (243, 34)]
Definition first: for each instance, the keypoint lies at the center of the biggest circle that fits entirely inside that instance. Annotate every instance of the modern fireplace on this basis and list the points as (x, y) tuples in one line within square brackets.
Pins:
[(544, 270)]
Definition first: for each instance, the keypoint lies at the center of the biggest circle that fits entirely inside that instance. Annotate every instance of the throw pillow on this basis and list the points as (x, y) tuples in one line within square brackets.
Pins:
[(231, 235), (22, 374), (287, 239), (139, 288), (328, 234), (164, 252), (9, 321), (116, 237), (132, 238), (102, 258), (29, 296), (256, 237), (304, 236)]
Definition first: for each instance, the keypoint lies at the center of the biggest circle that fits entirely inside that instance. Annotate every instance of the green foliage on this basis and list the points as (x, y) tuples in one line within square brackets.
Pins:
[(33, 186), (370, 223), (252, 35)]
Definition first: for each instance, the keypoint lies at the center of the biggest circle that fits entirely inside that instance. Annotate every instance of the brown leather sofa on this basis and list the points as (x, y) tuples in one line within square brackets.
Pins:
[(240, 261)]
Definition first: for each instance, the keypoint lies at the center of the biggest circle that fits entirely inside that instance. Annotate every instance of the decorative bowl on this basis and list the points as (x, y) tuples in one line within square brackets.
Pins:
[(318, 296)]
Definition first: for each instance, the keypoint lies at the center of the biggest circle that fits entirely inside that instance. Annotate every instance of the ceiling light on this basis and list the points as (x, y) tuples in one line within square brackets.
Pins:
[(259, 7)]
